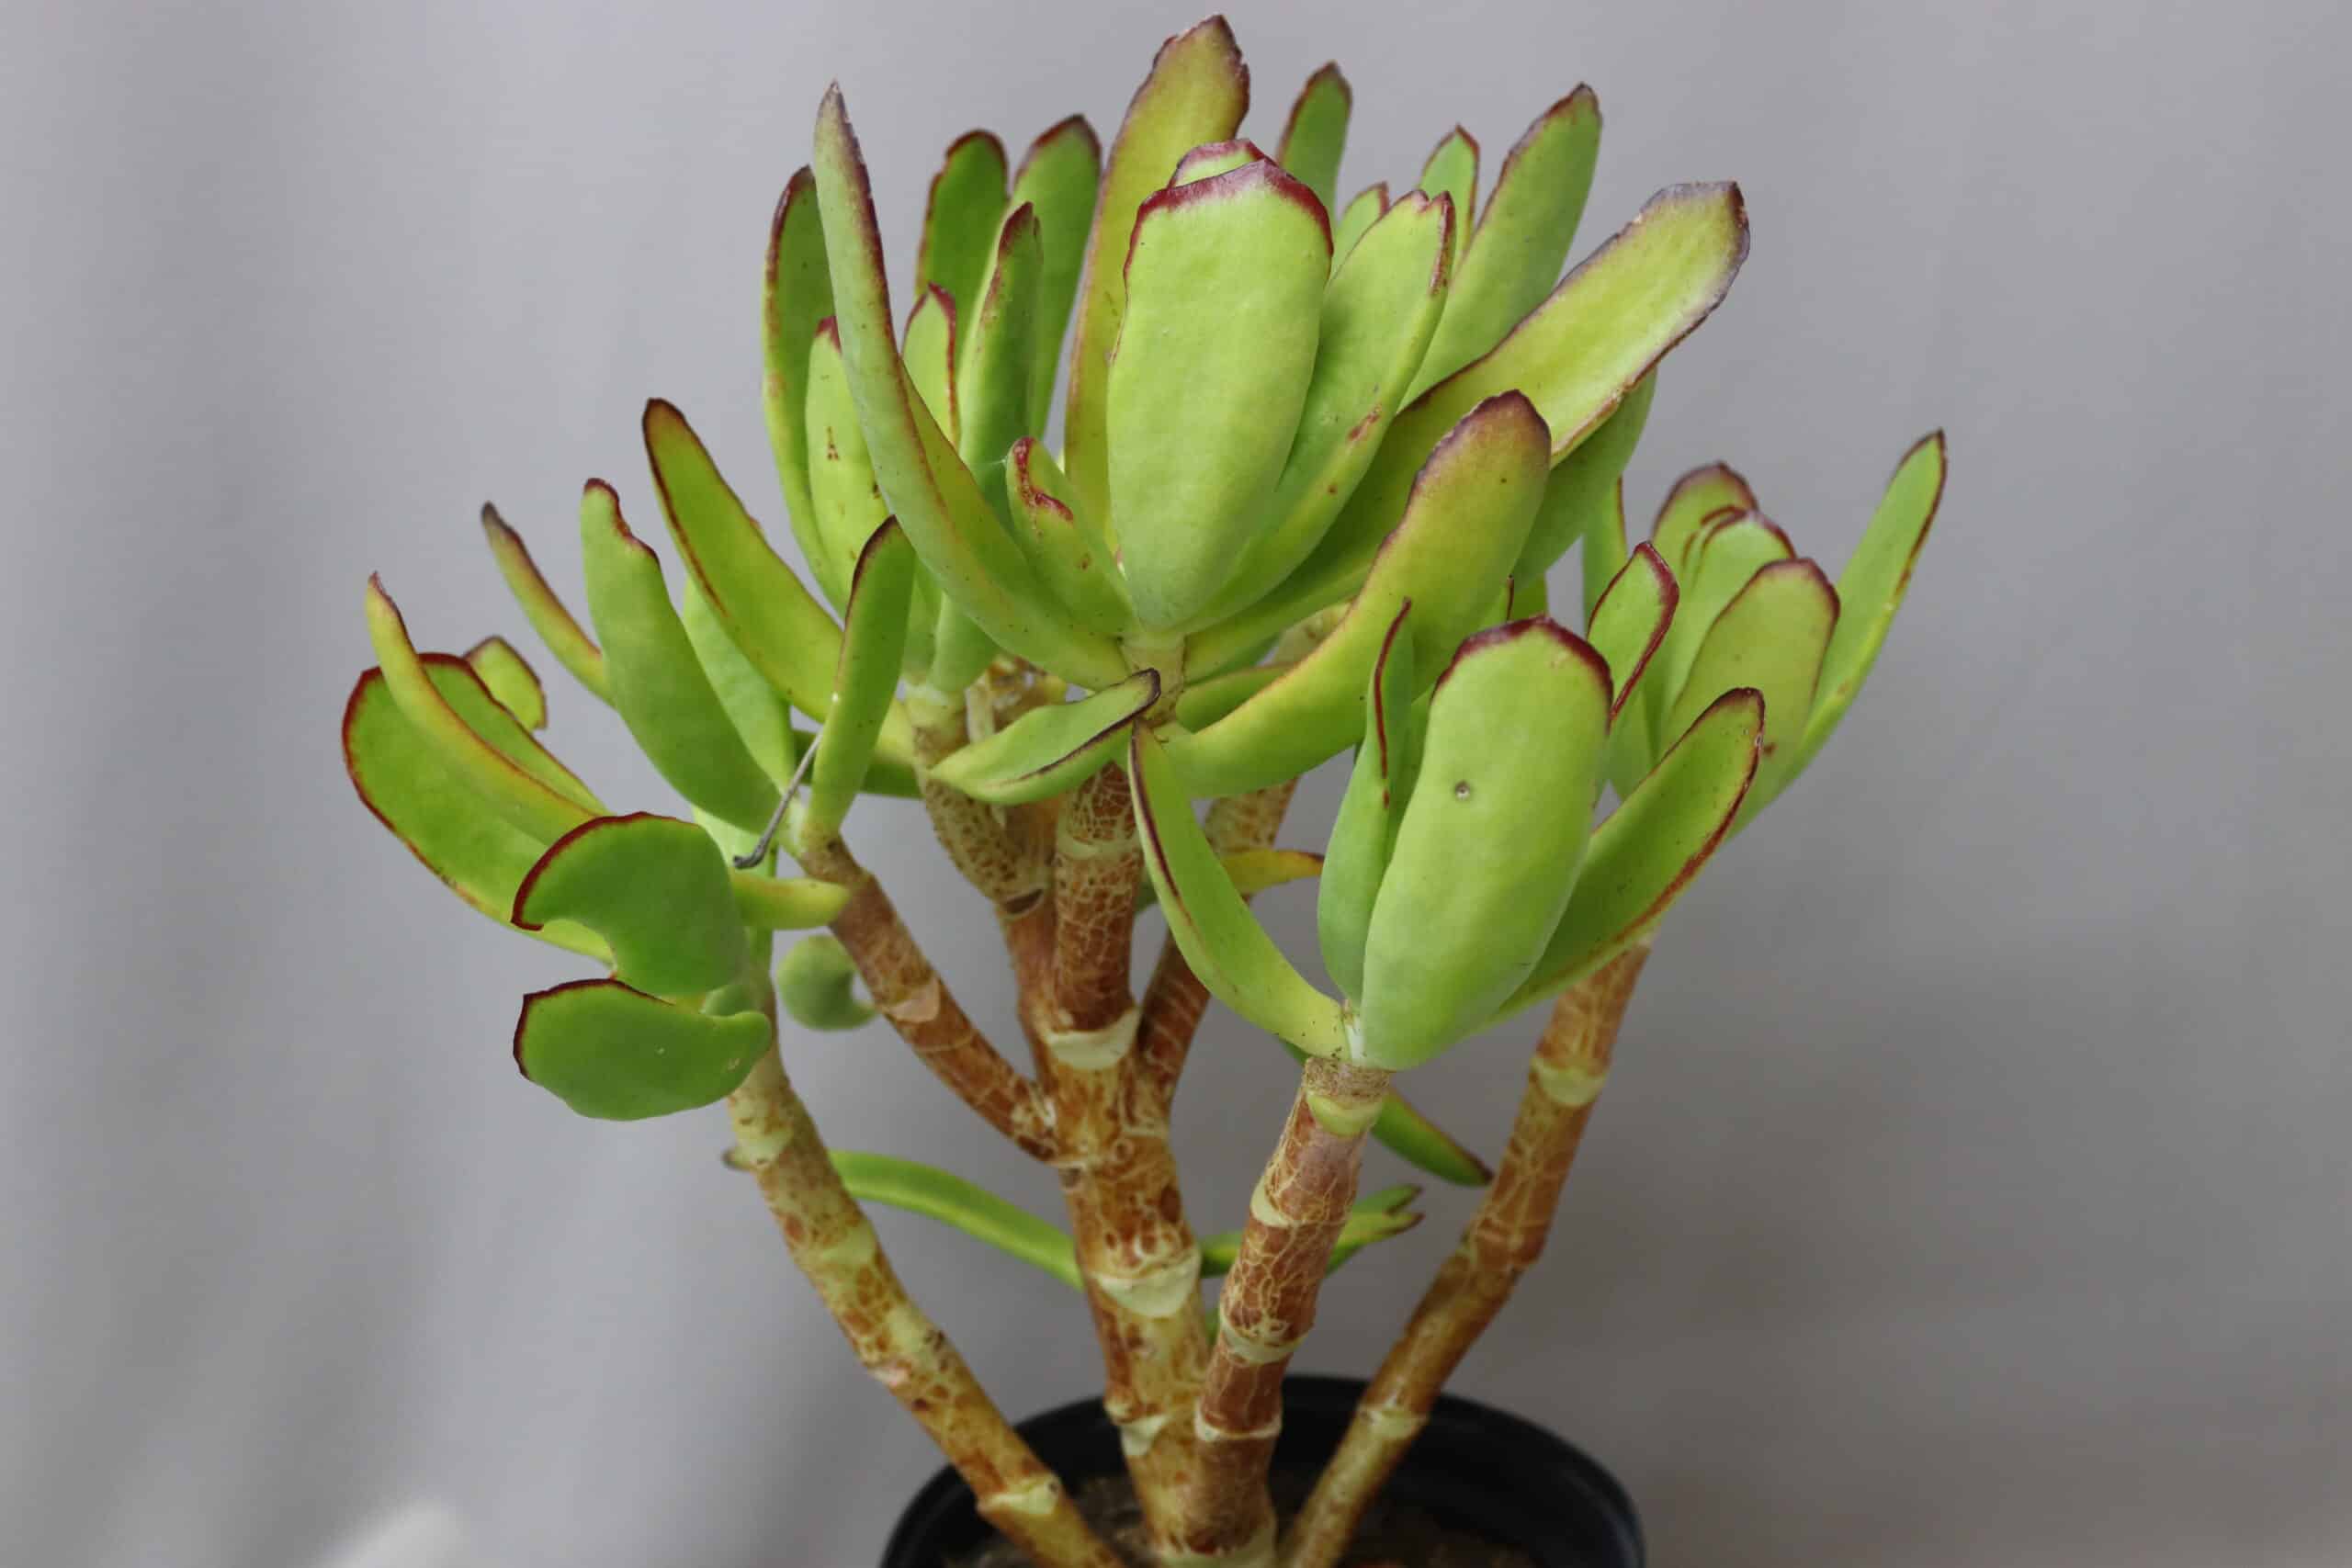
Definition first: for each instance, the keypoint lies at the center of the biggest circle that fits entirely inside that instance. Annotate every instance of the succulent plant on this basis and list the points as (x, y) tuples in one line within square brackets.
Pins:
[(1316, 461)]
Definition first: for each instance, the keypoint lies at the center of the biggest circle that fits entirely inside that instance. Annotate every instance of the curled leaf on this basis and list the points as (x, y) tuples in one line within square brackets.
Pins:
[(655, 889), (613, 1053)]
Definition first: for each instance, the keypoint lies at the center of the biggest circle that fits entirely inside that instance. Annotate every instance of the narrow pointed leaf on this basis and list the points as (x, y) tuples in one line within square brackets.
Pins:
[(1770, 637), (796, 292), (1871, 590), (817, 982), (1252, 871), (1515, 253), (960, 219), (931, 492), (994, 361), (511, 680), (1651, 847), (655, 889), (1387, 759), (979, 1214), (512, 773), (1378, 314), (1364, 210), (1464, 522), (1317, 132), (1057, 180), (1202, 703), (1049, 750), (1224, 280), (844, 496), (1575, 356), (1197, 92), (427, 804), (1071, 553), (1582, 496), (573, 647), (1213, 927), (658, 685), (1404, 1130), (613, 1053), (866, 685), (1486, 854), (756, 709), (768, 903), (930, 354), (1698, 498)]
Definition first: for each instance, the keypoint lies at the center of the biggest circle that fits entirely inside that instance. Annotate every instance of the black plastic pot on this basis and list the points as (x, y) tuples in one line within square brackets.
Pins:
[(1475, 1468)]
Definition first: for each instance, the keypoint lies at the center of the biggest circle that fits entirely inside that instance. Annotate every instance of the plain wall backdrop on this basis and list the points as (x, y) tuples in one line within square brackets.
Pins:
[(1973, 1185)]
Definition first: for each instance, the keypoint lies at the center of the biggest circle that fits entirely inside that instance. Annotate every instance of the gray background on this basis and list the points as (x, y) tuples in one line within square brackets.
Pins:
[(1974, 1186)]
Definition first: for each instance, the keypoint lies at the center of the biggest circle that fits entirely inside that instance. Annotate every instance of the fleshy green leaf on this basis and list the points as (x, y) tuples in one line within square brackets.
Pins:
[(1452, 170), (573, 647), (930, 356), (613, 1053), (425, 802), (1197, 92), (768, 903), (511, 774), (756, 709), (1513, 255), (1630, 623), (979, 1214), (1216, 158), (1202, 703), (866, 684), (993, 365), (817, 982), (1317, 132), (1225, 279), (1071, 553), (1464, 523), (1871, 590), (1575, 356), (655, 889), (1364, 210), (1653, 845), (1213, 927), (1252, 871), (1704, 495), (1058, 178), (933, 495), (1770, 637), (658, 684), (796, 292), (1377, 315), (1050, 748), (1582, 498), (1486, 854), (511, 680), (1388, 759), (960, 219), (1715, 567)]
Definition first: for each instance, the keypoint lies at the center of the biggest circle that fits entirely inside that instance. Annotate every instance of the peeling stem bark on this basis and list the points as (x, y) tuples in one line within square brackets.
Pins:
[(1268, 1307), (834, 1245), (1501, 1245)]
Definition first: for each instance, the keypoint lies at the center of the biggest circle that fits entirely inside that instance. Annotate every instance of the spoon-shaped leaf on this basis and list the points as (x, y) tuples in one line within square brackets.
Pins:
[(993, 366), (511, 680), (1630, 623), (1728, 550), (427, 804), (1704, 495), (573, 647), (658, 684), (459, 719), (1652, 846), (1197, 92), (1317, 132), (1057, 179), (613, 1053), (1225, 277), (655, 889), (1213, 927), (1049, 750)]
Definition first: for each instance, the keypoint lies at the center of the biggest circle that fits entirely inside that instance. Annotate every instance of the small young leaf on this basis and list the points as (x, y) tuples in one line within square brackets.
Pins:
[(1412, 1137), (613, 1053), (817, 982), (1630, 623), (930, 356), (655, 889), (554, 624), (1729, 550), (1052, 749), (1216, 158), (1698, 498), (511, 680), (994, 363), (1317, 132), (659, 686), (1223, 941), (768, 903), (979, 1214)]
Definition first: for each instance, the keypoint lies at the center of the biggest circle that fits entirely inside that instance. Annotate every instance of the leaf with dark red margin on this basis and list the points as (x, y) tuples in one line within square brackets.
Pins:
[(1770, 637), (1071, 553), (1356, 218), (511, 680), (573, 647), (994, 359), (1730, 549), (1698, 498), (1317, 132), (1052, 749), (1582, 498), (1216, 158), (655, 888), (1452, 170), (611, 1051), (1057, 179), (796, 292), (1630, 623), (960, 218)]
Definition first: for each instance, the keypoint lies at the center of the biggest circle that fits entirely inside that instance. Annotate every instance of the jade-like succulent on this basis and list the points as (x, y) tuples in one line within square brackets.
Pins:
[(1313, 464)]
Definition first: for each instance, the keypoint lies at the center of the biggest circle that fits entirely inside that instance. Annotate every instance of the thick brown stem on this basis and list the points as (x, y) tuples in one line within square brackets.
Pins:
[(1503, 1241), (909, 993), (995, 849), (836, 1248), (1175, 999), (1268, 1307), (1135, 1251)]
